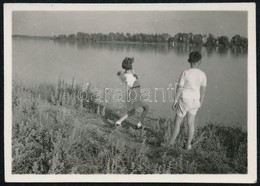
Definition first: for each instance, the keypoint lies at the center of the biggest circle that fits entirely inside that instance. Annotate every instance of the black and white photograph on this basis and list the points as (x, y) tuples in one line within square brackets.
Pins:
[(130, 92)]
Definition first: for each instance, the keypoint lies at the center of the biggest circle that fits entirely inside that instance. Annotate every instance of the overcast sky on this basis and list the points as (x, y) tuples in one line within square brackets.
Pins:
[(54, 23)]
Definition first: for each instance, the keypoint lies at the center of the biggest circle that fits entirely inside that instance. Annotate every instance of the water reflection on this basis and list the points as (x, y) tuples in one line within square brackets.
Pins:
[(179, 49), (125, 47), (210, 51), (223, 51), (184, 49), (238, 51), (61, 43)]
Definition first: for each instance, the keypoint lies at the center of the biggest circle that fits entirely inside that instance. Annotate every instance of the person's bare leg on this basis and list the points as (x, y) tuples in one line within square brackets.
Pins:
[(176, 131), (143, 115), (191, 123), (130, 113)]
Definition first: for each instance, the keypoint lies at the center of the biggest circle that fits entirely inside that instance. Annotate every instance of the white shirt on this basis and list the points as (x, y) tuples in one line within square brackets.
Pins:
[(130, 79), (191, 80)]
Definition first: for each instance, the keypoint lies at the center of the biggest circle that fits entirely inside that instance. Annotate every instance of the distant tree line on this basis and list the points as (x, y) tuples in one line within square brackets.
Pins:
[(31, 37), (144, 38), (209, 40), (237, 42)]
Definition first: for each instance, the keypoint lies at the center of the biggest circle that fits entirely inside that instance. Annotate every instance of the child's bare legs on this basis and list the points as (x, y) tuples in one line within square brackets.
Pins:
[(176, 131), (132, 112), (144, 113), (191, 122), (129, 114)]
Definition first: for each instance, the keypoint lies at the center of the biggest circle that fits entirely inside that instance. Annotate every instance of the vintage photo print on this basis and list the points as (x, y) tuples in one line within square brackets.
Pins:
[(130, 92)]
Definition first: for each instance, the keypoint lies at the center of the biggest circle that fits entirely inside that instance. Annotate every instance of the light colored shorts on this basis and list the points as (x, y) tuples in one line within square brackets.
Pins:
[(135, 93), (187, 105)]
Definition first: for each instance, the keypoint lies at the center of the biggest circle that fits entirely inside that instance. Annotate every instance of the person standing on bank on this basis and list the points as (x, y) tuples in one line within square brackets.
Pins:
[(190, 96), (133, 100)]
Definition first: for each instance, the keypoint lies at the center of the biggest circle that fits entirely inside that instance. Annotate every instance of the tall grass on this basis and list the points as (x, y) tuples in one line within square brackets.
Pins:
[(54, 132)]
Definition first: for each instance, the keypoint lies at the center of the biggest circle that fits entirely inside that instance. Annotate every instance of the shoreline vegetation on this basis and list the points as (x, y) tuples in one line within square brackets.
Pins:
[(237, 43), (53, 132)]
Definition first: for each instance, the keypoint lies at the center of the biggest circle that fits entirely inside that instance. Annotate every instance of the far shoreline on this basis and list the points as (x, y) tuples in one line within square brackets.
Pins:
[(237, 43)]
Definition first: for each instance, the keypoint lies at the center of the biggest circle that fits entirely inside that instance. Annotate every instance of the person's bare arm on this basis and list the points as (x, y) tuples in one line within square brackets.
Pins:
[(179, 90), (202, 94)]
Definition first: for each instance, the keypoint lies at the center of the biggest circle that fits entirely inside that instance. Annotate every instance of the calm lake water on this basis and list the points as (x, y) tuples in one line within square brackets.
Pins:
[(157, 66)]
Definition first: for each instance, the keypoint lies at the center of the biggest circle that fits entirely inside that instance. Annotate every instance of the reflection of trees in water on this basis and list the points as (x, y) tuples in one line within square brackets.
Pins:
[(179, 49), (185, 49), (61, 43), (125, 47), (72, 44), (238, 51), (210, 50), (223, 51), (64, 43)]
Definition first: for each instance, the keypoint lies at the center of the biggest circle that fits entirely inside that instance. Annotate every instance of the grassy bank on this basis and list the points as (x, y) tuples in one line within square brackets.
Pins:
[(53, 132)]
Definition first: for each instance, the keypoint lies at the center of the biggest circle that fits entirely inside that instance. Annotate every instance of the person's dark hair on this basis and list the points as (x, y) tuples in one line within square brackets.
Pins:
[(127, 63), (194, 57)]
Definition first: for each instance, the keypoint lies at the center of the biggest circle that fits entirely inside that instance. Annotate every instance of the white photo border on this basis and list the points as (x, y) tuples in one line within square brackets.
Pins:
[(250, 177)]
